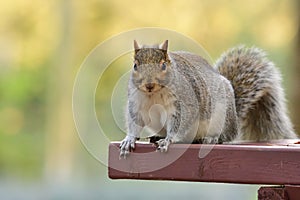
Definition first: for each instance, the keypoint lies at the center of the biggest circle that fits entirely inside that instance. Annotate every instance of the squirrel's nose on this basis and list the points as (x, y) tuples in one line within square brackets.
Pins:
[(149, 86)]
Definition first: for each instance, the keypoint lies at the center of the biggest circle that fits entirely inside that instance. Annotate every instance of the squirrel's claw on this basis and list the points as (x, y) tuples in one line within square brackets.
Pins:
[(163, 144), (127, 145), (210, 140)]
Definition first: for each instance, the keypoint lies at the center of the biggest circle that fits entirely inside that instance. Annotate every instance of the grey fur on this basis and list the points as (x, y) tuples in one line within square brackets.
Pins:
[(259, 95), (241, 97)]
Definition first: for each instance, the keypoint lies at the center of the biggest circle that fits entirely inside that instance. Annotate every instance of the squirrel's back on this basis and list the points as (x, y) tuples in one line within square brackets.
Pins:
[(259, 96)]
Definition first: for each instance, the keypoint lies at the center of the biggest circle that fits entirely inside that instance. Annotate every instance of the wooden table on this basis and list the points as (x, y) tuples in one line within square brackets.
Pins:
[(273, 163)]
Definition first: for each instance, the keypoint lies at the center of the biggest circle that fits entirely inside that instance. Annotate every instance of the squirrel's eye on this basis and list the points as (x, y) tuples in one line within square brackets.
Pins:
[(163, 66), (135, 67)]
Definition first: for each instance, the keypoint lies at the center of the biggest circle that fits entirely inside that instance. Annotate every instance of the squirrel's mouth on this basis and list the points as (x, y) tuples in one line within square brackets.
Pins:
[(150, 88)]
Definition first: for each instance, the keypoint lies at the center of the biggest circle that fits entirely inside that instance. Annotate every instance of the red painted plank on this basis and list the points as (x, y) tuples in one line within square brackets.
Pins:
[(251, 164), (272, 193), (293, 192), (287, 192)]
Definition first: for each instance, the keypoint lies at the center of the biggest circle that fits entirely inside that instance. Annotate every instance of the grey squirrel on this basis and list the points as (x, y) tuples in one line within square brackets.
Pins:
[(183, 99)]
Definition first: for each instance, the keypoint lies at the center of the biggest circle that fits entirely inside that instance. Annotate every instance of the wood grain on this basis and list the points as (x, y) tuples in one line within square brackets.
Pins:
[(272, 163), (272, 193), (288, 192)]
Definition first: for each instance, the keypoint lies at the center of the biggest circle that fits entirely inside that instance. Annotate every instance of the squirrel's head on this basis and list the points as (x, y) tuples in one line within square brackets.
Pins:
[(151, 67)]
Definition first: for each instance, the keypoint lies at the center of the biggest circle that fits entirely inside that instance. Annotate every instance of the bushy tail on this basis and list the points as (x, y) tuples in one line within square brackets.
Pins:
[(260, 100)]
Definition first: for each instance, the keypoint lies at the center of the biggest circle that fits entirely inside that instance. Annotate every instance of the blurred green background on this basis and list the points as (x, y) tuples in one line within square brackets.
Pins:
[(42, 45)]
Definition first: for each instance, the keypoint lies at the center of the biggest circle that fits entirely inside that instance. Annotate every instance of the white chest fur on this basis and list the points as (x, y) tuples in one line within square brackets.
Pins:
[(155, 110)]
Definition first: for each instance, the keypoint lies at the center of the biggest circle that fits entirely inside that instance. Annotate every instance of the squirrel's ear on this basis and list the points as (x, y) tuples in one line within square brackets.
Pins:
[(136, 46), (164, 46)]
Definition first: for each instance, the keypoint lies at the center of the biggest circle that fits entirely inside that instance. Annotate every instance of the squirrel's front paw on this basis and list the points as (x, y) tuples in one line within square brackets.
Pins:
[(127, 145), (163, 144), (210, 140)]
